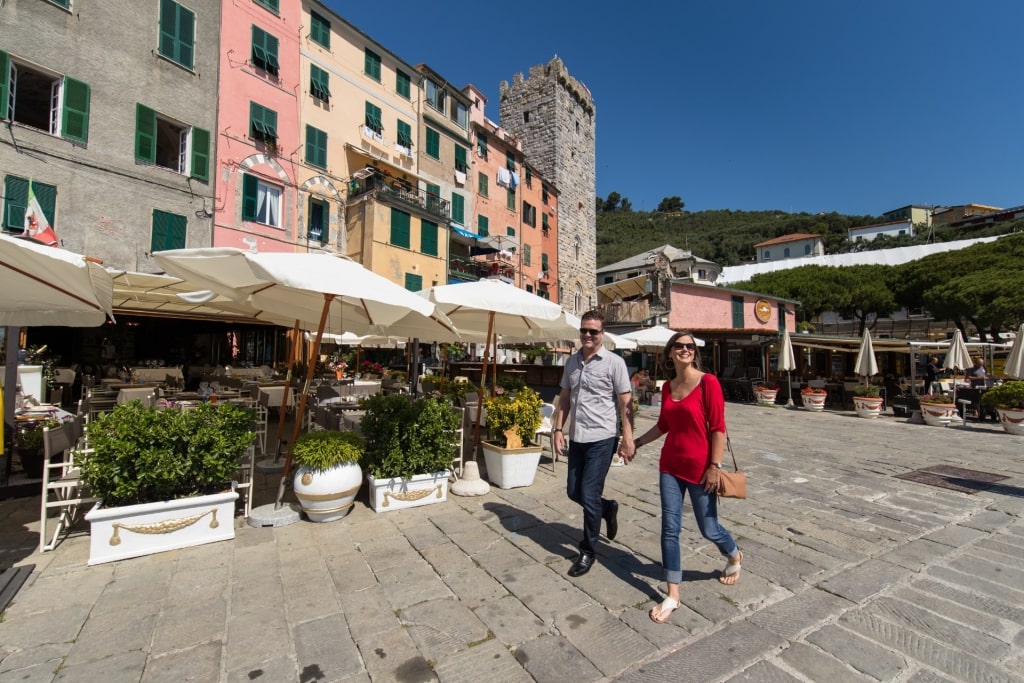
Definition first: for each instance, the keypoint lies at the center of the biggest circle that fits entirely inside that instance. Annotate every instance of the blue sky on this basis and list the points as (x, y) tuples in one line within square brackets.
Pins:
[(853, 106)]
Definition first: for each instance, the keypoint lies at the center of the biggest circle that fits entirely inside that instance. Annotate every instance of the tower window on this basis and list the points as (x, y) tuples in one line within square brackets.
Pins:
[(526, 117)]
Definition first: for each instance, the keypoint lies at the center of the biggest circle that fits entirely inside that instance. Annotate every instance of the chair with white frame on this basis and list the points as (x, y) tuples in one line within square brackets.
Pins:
[(62, 488)]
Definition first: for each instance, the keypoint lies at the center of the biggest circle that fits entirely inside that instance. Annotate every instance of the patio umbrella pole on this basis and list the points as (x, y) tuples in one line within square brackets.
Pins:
[(284, 394), (483, 378)]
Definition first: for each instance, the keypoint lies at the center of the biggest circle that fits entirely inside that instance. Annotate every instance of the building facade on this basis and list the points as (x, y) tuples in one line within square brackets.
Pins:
[(797, 245), (866, 233)]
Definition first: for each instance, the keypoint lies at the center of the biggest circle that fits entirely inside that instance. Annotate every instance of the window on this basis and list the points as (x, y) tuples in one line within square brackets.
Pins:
[(510, 231), (435, 96), (544, 224), (371, 64), (404, 136), (577, 246), (702, 274), (413, 282), (428, 238), (544, 263), (316, 147), (373, 118), (171, 145), (766, 255), (318, 83), (510, 199), (458, 208), (433, 143), (460, 159), (526, 116), (510, 161), (544, 195), (481, 183), (526, 254), (56, 104), (528, 174), (317, 224), (66, 4), (481, 145), (737, 312), (529, 214), (262, 123), (483, 226), (177, 33), (272, 5), (16, 202), (399, 228), (264, 51), (807, 247), (169, 230), (319, 30), (261, 202), (461, 115), (403, 84), (433, 197), (785, 253)]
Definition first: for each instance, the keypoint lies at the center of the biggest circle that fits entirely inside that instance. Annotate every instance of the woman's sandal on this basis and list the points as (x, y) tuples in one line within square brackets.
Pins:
[(731, 574), (664, 609)]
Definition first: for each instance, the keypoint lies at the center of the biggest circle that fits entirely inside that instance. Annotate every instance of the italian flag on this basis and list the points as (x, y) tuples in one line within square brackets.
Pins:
[(36, 224)]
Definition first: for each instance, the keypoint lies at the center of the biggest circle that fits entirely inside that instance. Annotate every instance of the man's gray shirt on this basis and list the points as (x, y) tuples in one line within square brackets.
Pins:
[(594, 389)]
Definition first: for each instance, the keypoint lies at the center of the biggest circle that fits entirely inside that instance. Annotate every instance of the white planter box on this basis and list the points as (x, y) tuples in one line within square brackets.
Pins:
[(398, 493), (511, 467), (136, 530)]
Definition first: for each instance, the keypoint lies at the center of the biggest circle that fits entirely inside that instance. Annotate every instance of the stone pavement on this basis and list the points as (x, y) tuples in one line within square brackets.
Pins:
[(849, 574)]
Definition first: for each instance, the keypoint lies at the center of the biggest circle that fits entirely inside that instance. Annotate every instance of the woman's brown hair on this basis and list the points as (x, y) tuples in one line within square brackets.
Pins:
[(670, 367)]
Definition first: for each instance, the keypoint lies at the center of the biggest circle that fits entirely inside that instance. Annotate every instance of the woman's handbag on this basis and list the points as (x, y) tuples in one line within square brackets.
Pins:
[(731, 484)]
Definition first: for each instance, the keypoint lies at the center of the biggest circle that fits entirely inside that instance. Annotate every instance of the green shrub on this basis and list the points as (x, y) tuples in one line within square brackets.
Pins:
[(1008, 395), (31, 436), (147, 455), (867, 390), (406, 437), (323, 449), (520, 410), (934, 398)]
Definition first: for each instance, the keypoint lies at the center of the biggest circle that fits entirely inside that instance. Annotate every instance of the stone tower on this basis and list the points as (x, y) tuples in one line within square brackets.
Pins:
[(553, 116)]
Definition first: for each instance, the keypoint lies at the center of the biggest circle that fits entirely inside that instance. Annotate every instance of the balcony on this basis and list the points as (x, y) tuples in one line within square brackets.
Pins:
[(396, 192), (466, 269), (626, 311)]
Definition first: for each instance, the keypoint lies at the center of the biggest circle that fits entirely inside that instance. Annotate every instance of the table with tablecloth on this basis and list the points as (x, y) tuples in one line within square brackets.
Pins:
[(146, 374), (145, 394), (275, 394)]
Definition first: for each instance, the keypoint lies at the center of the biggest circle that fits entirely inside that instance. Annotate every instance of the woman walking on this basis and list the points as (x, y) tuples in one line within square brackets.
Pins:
[(693, 416)]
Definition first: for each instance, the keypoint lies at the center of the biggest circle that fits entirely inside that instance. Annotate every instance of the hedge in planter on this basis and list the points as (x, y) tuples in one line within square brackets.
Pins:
[(405, 437)]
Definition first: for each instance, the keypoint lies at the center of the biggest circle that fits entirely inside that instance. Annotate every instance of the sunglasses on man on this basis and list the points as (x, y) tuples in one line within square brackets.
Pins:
[(584, 331)]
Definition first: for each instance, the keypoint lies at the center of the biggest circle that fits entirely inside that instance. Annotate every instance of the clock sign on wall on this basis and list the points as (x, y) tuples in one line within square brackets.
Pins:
[(763, 310)]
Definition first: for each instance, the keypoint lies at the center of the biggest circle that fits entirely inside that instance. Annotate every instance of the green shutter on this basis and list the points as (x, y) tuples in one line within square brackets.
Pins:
[(510, 231), (526, 254), (316, 147), (371, 64), (458, 207), (428, 238), (483, 226), (319, 30), (249, 191), (544, 221), (413, 283), (544, 262), (200, 154), (271, 5), (319, 81), (433, 143), (737, 312), (404, 133), (403, 84), (264, 50), (317, 222), (373, 120), (460, 159), (510, 199), (46, 195), (145, 133), (481, 145), (399, 228), (5, 81), (76, 110), (169, 231), (177, 33), (481, 183), (15, 202)]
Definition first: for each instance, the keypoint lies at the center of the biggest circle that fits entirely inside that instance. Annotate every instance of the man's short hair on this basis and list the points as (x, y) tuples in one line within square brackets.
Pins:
[(593, 314)]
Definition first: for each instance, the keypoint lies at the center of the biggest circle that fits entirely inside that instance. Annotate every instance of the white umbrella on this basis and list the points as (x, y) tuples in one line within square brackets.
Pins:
[(614, 342), (654, 339), (787, 361), (1015, 361), (866, 365), (957, 357)]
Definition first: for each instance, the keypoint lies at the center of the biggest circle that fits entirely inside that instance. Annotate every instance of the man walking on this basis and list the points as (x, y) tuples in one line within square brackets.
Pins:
[(593, 383)]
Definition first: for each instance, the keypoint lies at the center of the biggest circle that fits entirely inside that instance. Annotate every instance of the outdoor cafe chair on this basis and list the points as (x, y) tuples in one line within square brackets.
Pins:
[(62, 488)]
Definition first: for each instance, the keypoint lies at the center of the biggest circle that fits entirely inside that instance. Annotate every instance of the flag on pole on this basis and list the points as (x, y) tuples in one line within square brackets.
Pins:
[(36, 224)]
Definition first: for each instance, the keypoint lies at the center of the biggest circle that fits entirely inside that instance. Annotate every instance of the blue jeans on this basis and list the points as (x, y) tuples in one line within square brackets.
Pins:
[(705, 511), (588, 467)]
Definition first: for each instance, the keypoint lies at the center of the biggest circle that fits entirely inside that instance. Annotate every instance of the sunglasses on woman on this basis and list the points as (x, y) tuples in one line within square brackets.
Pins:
[(688, 346)]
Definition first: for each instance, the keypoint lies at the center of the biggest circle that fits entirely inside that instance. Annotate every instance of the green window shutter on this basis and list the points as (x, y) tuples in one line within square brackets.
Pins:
[(413, 283), (460, 159), (200, 154), (262, 122), (481, 145), (316, 147), (428, 238), (544, 222), (433, 143), (404, 133), (15, 202), (177, 33), (544, 262), (510, 199), (272, 5), (399, 228), (5, 82), (458, 208), (510, 161), (318, 221), (76, 110), (403, 84), (373, 118), (526, 254), (529, 176), (481, 183), (169, 231), (737, 312), (483, 226), (249, 191), (145, 133), (46, 195), (319, 30), (264, 51), (371, 64), (319, 82), (510, 231)]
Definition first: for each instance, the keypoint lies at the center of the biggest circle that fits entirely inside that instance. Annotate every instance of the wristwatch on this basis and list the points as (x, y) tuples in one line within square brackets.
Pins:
[(557, 430), (717, 464)]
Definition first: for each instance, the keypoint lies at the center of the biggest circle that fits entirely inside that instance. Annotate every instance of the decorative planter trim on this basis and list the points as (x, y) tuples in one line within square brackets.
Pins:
[(938, 414), (118, 533), (511, 467), (1012, 420), (397, 493), (867, 406), (766, 396), (815, 402), (327, 496)]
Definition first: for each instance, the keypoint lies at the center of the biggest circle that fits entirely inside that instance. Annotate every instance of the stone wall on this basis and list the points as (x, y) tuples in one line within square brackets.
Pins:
[(553, 116)]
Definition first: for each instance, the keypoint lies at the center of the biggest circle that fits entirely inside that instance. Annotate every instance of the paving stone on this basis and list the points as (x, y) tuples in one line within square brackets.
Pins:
[(350, 573), (916, 554), (864, 581), (199, 663), (995, 572), (818, 665), (189, 625), (510, 621), (765, 672), (369, 613), (993, 606), (489, 661), (989, 520), (953, 633), (252, 639), (411, 583), (278, 668), (106, 639), (324, 645), (861, 654), (928, 676), (442, 627), (392, 656), (970, 617), (955, 536), (124, 667), (553, 658), (602, 638), (793, 616), (34, 629)]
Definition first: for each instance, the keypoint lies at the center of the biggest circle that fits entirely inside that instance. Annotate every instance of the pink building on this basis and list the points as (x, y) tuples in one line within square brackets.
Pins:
[(258, 139)]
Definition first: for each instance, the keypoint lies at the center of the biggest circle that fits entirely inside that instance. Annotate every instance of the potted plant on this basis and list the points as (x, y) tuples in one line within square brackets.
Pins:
[(814, 398), (410, 445), (867, 400), (937, 410), (162, 477), (513, 419), (766, 394), (1008, 400), (28, 444), (328, 477)]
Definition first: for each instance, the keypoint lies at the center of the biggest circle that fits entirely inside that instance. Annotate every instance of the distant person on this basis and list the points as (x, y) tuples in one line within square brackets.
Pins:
[(977, 374), (932, 374)]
